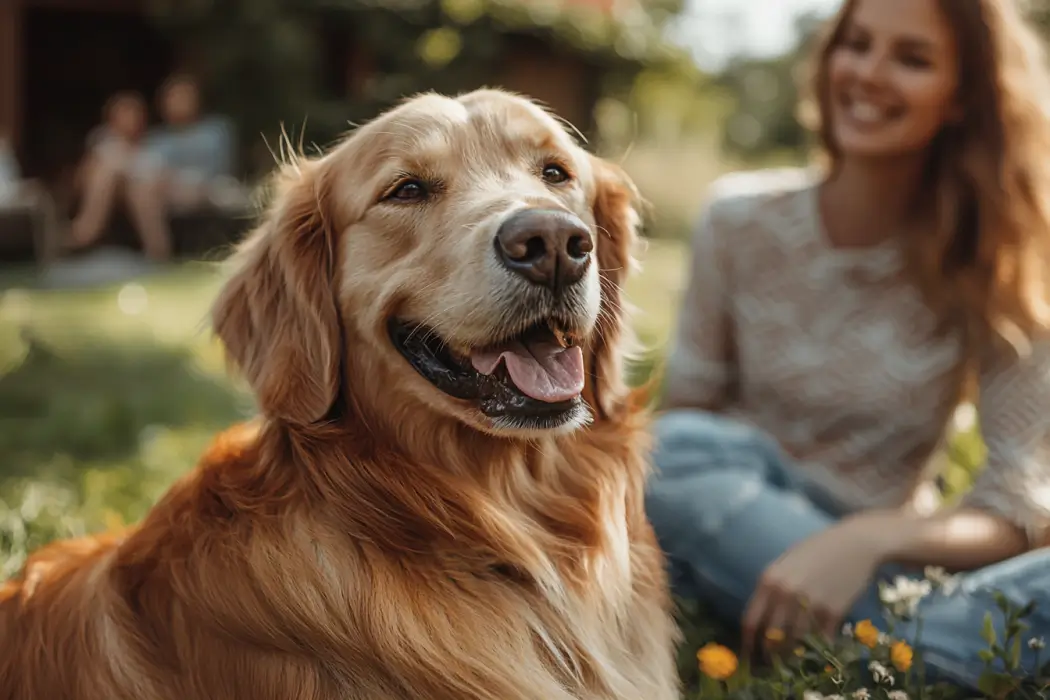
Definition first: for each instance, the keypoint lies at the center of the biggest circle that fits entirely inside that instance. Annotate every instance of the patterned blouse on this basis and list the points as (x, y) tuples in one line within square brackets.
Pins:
[(830, 352)]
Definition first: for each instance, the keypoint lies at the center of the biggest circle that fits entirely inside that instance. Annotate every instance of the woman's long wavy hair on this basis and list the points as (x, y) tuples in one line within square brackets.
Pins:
[(986, 264)]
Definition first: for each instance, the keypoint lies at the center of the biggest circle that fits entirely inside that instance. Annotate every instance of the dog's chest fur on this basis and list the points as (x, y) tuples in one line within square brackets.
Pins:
[(567, 600), (550, 594), (598, 630)]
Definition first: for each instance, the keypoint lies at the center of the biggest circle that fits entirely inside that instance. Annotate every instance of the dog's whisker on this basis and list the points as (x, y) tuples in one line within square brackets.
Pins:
[(431, 333), (426, 289), (612, 306)]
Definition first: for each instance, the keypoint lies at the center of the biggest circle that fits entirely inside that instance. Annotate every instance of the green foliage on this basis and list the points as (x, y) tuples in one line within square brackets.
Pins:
[(876, 664), (104, 404), (1039, 14), (1004, 675), (273, 62), (764, 116), (258, 59), (75, 404), (767, 95)]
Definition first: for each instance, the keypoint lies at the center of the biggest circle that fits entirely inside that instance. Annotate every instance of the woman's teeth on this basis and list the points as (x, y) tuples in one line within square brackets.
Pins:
[(867, 112)]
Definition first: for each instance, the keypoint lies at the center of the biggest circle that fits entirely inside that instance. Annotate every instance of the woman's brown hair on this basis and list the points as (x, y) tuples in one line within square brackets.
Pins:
[(986, 263)]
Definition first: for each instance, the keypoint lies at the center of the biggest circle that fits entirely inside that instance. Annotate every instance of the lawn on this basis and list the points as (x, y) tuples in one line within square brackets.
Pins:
[(108, 395)]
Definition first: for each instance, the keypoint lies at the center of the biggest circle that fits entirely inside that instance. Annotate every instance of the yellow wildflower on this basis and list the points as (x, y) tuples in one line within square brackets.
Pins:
[(901, 655), (717, 661), (774, 635), (800, 651), (866, 633)]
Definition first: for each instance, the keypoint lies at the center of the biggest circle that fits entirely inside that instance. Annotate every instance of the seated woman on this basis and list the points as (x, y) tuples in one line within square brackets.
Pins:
[(117, 168), (835, 318)]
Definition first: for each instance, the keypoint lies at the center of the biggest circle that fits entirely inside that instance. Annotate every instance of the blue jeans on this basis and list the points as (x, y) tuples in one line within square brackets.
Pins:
[(725, 502)]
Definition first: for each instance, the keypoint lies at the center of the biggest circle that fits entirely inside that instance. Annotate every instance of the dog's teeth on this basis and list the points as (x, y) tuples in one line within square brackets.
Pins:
[(561, 337)]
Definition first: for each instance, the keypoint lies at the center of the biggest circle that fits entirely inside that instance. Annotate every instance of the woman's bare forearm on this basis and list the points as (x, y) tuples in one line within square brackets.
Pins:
[(958, 540)]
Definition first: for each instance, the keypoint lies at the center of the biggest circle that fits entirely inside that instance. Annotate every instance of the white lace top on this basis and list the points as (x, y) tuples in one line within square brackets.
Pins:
[(834, 355)]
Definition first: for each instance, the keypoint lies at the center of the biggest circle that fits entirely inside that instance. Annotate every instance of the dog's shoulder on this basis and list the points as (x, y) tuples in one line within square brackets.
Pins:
[(232, 446)]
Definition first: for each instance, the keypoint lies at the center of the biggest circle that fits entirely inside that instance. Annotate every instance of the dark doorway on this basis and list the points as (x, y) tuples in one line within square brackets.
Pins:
[(74, 60)]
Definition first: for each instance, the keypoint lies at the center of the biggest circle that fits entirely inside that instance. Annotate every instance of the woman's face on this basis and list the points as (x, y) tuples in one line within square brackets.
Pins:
[(892, 78)]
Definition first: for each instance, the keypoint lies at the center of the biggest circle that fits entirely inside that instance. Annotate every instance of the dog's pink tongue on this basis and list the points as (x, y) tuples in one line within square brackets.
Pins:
[(544, 371)]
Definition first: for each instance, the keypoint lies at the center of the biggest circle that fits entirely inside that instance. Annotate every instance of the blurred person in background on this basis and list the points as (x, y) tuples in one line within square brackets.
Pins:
[(10, 172), (20, 194), (183, 166), (195, 152), (118, 168), (833, 321)]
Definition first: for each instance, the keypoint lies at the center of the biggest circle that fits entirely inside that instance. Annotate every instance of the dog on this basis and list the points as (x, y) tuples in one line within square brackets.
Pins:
[(442, 497)]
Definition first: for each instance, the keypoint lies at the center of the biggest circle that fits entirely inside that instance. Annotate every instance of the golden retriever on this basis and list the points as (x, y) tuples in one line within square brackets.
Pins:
[(443, 496)]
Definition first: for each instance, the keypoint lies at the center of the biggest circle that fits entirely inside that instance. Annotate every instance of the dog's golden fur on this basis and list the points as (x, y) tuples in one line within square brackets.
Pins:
[(371, 538)]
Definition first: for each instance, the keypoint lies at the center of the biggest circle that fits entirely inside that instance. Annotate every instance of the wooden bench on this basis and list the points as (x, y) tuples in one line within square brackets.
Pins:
[(193, 235), (17, 235)]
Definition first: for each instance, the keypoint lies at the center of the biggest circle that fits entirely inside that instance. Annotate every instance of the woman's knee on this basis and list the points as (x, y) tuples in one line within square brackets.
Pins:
[(704, 466)]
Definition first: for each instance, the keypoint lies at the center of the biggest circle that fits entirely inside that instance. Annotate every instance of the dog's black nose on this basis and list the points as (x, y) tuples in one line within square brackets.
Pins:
[(545, 246)]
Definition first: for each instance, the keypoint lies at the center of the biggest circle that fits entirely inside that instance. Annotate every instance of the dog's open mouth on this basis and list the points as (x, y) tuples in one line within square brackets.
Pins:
[(537, 374)]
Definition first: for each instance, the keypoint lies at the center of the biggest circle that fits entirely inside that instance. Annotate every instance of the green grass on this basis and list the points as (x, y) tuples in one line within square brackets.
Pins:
[(109, 395)]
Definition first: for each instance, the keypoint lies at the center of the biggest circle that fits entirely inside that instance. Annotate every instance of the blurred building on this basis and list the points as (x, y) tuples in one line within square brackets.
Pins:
[(61, 59)]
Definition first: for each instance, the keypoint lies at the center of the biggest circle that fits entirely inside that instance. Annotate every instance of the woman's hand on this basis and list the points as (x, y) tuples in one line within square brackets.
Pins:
[(812, 586)]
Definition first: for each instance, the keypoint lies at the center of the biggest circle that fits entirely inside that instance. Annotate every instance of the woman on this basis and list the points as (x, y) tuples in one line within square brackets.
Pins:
[(833, 321)]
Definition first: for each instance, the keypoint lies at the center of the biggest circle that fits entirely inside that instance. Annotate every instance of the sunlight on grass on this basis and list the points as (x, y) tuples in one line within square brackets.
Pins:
[(108, 395), (657, 290), (112, 392), (169, 309)]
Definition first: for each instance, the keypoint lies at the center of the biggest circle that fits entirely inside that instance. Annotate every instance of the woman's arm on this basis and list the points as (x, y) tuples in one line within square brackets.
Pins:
[(1008, 510), (699, 368), (958, 540), (832, 568)]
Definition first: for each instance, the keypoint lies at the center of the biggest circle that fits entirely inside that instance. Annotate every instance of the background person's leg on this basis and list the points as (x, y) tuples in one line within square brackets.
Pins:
[(724, 505), (147, 208), (102, 177)]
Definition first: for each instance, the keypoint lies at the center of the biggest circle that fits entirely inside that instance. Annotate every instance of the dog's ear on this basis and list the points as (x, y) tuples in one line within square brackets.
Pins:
[(277, 314), (617, 216)]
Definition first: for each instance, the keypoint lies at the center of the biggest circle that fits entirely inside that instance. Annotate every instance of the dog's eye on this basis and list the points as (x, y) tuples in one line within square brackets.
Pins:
[(555, 174), (408, 191)]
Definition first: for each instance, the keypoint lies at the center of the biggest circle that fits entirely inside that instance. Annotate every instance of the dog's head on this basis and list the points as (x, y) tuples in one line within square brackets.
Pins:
[(465, 255)]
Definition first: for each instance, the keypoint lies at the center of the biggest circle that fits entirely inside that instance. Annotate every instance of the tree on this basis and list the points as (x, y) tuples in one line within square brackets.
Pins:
[(767, 94), (264, 66)]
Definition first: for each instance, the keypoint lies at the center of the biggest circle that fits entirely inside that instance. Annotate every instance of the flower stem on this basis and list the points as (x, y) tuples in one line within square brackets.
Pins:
[(920, 662)]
